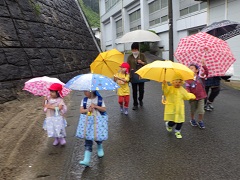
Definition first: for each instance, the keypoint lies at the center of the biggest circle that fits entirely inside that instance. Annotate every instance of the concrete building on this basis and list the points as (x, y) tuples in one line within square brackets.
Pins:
[(189, 17)]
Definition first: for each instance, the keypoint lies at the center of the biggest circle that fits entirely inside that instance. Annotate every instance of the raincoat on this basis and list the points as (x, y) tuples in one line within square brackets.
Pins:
[(124, 86), (174, 107)]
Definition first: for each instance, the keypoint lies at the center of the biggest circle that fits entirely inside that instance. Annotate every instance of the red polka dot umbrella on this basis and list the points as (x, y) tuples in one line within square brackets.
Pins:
[(216, 52)]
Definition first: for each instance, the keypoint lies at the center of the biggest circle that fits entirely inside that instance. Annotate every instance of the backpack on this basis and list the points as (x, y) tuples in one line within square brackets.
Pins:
[(99, 104)]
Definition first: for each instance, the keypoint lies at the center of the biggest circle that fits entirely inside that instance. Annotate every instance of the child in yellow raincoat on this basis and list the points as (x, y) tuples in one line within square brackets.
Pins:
[(174, 112), (122, 79)]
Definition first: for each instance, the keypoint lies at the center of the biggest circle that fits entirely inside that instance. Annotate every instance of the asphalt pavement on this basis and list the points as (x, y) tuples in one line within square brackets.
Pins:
[(140, 148)]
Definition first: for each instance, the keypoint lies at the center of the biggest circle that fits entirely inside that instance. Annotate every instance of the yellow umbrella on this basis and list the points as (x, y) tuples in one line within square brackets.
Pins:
[(107, 63), (164, 70)]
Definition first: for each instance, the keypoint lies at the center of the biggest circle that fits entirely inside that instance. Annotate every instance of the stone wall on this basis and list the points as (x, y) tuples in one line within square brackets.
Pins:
[(41, 38)]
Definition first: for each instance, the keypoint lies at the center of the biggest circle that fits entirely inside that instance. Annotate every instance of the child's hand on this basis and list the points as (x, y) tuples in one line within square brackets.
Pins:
[(203, 62), (164, 82)]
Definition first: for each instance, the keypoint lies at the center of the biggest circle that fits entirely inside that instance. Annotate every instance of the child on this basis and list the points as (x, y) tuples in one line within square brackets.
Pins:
[(55, 107), (174, 112), (122, 79), (92, 106), (197, 87)]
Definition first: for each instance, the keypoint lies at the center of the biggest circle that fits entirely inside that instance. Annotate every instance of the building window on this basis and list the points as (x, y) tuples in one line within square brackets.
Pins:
[(184, 12), (154, 6), (119, 31), (193, 8), (193, 31), (164, 19), (110, 3), (157, 5), (135, 16), (164, 3), (203, 5), (158, 20)]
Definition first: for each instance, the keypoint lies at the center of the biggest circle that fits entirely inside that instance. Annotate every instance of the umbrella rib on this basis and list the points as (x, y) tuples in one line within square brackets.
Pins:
[(108, 66)]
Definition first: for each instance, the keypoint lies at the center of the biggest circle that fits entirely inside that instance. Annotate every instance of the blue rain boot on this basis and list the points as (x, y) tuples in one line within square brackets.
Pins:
[(87, 158), (100, 151)]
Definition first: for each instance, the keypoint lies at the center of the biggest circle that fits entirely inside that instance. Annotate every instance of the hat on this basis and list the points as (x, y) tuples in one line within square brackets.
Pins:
[(125, 65), (177, 76), (56, 87)]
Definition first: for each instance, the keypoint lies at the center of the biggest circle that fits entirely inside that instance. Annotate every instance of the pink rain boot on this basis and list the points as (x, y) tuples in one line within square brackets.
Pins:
[(62, 141), (55, 142)]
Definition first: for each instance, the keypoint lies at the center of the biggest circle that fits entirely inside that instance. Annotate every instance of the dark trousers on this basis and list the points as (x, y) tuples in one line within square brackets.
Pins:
[(178, 125), (135, 88), (89, 143), (213, 94)]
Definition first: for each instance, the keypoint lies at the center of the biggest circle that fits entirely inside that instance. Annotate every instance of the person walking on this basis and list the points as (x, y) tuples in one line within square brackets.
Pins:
[(136, 60), (212, 87), (55, 108), (174, 111), (122, 79), (197, 87), (93, 105)]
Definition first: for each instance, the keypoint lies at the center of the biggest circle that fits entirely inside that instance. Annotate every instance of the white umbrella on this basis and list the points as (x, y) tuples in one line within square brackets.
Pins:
[(139, 36)]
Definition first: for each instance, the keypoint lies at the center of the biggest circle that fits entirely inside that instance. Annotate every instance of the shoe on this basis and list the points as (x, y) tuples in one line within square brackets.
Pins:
[(169, 129), (100, 151), (135, 108), (121, 109), (55, 142), (62, 141), (141, 103), (193, 122), (208, 108), (201, 124), (178, 135), (126, 111), (87, 158), (211, 106)]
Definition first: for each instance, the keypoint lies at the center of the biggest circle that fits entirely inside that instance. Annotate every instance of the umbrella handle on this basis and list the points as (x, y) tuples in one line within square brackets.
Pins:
[(45, 109)]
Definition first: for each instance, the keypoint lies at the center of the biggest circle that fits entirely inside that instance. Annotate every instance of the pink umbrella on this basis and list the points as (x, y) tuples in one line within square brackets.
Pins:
[(39, 86), (216, 52)]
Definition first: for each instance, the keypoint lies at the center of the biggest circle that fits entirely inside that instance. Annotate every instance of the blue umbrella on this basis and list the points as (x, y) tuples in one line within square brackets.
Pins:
[(91, 82)]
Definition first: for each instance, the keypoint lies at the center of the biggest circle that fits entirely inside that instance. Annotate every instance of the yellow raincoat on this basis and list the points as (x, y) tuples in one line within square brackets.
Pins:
[(174, 107), (124, 86)]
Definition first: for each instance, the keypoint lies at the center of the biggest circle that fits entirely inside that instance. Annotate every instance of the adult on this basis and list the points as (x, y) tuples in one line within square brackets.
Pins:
[(136, 60), (212, 87)]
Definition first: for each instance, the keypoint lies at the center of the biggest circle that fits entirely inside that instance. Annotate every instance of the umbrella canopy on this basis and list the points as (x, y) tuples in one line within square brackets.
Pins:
[(107, 63), (223, 29), (215, 52), (39, 86), (91, 82), (164, 70), (139, 36)]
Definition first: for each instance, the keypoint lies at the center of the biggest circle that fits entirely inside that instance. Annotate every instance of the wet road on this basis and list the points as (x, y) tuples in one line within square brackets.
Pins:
[(140, 148)]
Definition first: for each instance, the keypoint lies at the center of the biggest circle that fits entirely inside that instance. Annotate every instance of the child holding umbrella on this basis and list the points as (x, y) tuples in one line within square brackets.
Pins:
[(55, 108), (174, 112)]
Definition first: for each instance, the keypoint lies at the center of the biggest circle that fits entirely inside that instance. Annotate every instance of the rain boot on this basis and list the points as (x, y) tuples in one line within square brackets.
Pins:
[(121, 109), (87, 158), (62, 141), (100, 151), (126, 111), (55, 142)]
